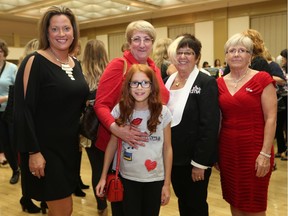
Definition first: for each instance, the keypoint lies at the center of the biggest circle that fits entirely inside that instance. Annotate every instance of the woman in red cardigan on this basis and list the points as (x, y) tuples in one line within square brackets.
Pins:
[(140, 36)]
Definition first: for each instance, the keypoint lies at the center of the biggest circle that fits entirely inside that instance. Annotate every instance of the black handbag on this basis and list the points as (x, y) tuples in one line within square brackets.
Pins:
[(281, 104), (89, 123), (281, 98)]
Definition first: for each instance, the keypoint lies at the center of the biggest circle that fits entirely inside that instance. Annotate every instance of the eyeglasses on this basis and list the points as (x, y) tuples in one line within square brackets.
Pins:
[(186, 53), (144, 84), (239, 51), (138, 40)]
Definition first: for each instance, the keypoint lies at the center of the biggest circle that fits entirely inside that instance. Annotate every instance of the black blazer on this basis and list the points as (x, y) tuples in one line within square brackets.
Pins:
[(195, 137)]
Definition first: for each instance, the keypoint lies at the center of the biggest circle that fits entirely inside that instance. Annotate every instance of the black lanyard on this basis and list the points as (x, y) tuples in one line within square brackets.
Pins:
[(2, 69)]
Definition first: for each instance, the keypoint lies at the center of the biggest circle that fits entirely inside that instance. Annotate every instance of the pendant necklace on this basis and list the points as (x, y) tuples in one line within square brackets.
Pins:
[(177, 83), (64, 65), (241, 78)]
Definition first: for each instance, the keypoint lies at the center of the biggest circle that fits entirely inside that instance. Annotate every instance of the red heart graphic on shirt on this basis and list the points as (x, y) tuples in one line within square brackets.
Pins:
[(136, 121), (150, 165)]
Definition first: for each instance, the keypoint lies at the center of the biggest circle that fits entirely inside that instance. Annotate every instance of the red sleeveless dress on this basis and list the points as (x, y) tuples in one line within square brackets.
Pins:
[(240, 141)]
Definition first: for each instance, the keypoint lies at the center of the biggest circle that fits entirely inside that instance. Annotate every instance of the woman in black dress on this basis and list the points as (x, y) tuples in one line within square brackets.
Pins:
[(50, 93)]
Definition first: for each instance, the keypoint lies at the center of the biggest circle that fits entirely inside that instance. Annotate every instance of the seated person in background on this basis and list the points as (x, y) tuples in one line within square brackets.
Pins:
[(205, 64), (217, 63)]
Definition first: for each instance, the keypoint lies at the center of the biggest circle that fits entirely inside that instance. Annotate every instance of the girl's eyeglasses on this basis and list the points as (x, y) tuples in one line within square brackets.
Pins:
[(144, 84)]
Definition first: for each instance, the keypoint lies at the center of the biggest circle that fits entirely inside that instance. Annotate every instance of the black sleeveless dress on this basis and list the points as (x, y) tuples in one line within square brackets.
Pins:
[(47, 120)]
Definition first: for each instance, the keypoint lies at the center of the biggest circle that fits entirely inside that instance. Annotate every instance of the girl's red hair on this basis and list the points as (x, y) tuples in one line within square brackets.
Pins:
[(127, 102)]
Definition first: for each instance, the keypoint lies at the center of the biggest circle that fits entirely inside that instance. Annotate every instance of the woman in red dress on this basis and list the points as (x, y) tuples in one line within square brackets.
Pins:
[(248, 103)]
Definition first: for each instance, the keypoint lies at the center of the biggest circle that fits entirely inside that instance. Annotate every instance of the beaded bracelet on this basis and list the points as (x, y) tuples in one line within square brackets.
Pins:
[(266, 155)]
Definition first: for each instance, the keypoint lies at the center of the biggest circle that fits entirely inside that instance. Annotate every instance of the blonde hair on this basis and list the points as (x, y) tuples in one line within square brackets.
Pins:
[(160, 51), (140, 26), (125, 46), (267, 54), (239, 39), (29, 48), (4, 47), (258, 42), (95, 60), (172, 50)]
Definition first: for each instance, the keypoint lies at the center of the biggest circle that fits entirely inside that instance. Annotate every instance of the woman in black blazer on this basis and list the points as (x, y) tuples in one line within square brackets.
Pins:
[(194, 106)]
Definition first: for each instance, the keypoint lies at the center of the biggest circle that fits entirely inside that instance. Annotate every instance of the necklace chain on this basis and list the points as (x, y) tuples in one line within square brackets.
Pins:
[(65, 66), (57, 59), (178, 81), (238, 80)]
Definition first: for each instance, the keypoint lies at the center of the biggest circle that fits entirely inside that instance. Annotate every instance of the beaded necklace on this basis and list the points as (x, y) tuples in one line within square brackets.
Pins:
[(64, 65)]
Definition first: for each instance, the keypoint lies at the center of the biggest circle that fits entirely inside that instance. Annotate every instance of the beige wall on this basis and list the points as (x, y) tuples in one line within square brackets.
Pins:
[(15, 53), (17, 34), (104, 39), (238, 24), (226, 21), (204, 32), (161, 32), (222, 23)]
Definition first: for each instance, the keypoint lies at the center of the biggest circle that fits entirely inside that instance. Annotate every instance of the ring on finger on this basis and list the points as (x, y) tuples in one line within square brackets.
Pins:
[(33, 173)]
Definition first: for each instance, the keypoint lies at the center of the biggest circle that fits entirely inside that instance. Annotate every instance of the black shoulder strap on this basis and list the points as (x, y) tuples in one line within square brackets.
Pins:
[(2, 69)]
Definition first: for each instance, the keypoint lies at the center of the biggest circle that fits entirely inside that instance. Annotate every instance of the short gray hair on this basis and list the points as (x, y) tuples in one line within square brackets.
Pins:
[(239, 39), (141, 26)]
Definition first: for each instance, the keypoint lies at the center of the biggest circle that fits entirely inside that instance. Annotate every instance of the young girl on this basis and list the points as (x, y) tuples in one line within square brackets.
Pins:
[(146, 170)]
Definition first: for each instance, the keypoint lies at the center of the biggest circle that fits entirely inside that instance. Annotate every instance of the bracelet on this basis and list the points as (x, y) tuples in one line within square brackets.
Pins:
[(266, 155)]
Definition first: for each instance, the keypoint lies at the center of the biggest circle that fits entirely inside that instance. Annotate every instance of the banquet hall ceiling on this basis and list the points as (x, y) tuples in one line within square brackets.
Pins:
[(94, 13)]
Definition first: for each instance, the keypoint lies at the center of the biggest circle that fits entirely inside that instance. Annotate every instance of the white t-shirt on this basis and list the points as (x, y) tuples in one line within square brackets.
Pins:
[(144, 164)]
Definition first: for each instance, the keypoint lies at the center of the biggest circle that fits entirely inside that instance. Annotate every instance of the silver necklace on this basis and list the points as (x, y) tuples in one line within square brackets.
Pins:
[(64, 65), (238, 80)]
